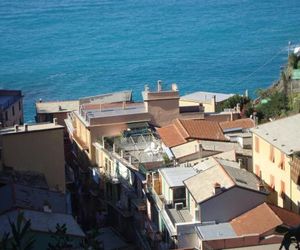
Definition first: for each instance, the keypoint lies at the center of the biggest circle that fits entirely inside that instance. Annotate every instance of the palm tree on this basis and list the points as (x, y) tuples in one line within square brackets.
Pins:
[(20, 240)]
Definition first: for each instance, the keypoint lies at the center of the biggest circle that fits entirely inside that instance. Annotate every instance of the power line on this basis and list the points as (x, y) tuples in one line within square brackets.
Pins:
[(262, 66)]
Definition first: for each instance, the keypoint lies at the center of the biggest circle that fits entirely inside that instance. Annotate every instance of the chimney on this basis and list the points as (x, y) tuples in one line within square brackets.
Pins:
[(217, 188), (240, 161), (47, 208), (25, 127), (159, 86), (16, 127), (238, 107), (146, 88), (255, 118), (40, 100), (55, 121), (174, 87), (261, 187), (59, 108)]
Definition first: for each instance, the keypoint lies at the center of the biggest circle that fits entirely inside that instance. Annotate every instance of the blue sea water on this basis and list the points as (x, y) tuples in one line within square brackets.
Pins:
[(65, 49)]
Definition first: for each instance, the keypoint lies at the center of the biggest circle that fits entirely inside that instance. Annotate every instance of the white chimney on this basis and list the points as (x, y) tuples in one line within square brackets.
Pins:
[(55, 121), (240, 161), (159, 86), (174, 87), (47, 208)]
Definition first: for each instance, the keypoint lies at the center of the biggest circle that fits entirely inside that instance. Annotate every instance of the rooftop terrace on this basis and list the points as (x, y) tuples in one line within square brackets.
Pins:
[(30, 128), (112, 109)]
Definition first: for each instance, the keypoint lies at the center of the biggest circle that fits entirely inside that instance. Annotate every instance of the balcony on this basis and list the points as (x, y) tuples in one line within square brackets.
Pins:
[(295, 168), (158, 199)]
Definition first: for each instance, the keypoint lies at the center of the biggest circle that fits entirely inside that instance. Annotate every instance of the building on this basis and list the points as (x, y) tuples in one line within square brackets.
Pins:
[(11, 107), (113, 116), (186, 141), (210, 101), (225, 186), (215, 190), (39, 148), (17, 196), (43, 227), (254, 229), (276, 160), (47, 111)]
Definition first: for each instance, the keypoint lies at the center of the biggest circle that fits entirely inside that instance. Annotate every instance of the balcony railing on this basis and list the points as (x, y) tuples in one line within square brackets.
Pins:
[(157, 199)]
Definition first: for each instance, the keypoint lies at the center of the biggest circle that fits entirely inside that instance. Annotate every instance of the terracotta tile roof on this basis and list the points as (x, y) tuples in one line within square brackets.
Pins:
[(170, 136), (288, 218), (240, 123), (182, 130), (263, 218), (205, 130)]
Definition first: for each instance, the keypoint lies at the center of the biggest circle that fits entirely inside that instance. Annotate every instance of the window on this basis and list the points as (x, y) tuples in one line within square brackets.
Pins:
[(282, 189), (272, 155), (257, 171), (20, 106), (281, 163), (13, 110), (272, 182), (256, 144)]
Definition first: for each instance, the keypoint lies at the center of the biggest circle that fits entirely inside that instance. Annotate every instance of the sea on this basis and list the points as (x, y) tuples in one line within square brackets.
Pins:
[(67, 49)]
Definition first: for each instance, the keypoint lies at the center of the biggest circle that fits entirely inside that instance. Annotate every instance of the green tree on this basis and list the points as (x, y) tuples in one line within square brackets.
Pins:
[(276, 106), (21, 239), (60, 238), (91, 242), (4, 241), (292, 61), (234, 100)]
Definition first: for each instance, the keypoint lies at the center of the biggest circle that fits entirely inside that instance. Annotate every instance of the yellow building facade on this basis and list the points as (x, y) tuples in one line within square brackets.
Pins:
[(37, 148), (275, 145)]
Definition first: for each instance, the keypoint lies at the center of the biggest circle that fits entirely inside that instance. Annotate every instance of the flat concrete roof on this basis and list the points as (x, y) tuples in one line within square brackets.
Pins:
[(136, 108), (175, 176), (180, 216), (41, 221), (31, 128), (216, 231), (201, 96), (121, 96), (56, 106), (283, 134)]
